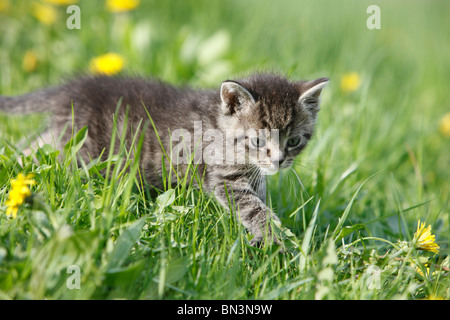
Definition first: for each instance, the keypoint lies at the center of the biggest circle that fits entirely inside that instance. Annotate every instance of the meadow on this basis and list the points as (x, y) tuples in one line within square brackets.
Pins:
[(378, 163)]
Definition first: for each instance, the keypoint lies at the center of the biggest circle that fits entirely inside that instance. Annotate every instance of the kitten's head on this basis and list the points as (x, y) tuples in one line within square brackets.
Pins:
[(277, 115)]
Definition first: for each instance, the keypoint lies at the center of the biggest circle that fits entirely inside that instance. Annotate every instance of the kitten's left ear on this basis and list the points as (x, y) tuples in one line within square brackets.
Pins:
[(310, 92), (234, 97)]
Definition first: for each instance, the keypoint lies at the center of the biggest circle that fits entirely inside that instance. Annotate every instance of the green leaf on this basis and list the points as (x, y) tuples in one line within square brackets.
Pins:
[(3, 254), (344, 216), (39, 220), (177, 269), (76, 142), (124, 244), (43, 168), (166, 199), (124, 276), (347, 230), (331, 257), (46, 154), (306, 244)]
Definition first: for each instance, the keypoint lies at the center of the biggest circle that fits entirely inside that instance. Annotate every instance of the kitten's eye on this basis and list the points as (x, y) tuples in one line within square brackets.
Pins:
[(258, 143), (293, 142)]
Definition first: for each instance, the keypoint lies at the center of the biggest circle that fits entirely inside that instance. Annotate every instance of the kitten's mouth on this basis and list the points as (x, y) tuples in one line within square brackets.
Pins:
[(269, 171), (271, 168)]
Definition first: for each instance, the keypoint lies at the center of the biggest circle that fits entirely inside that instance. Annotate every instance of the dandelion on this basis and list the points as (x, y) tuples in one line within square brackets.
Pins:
[(350, 82), (121, 5), (46, 14), (19, 192), (420, 272), (108, 64), (444, 125), (424, 240), (4, 5), (29, 62)]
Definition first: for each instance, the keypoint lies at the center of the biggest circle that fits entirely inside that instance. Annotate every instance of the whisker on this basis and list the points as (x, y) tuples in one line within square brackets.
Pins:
[(301, 164), (302, 125), (288, 177), (292, 185), (300, 182), (258, 181), (253, 177)]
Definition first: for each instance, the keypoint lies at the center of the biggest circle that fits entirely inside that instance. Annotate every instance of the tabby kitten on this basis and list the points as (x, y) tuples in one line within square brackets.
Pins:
[(270, 119)]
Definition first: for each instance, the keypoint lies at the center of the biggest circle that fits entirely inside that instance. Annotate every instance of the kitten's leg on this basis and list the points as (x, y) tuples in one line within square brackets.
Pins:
[(250, 209), (30, 148)]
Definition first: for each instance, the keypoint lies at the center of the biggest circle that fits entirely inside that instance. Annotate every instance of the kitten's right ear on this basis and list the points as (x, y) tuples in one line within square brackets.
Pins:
[(234, 97), (310, 92)]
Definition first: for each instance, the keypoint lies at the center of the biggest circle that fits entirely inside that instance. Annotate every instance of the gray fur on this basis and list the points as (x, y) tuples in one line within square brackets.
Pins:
[(260, 101)]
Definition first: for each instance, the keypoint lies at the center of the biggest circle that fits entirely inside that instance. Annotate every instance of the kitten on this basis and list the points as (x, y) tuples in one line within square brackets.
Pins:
[(270, 119)]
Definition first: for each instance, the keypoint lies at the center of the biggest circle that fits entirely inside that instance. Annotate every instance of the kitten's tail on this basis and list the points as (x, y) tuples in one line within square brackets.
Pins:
[(39, 101)]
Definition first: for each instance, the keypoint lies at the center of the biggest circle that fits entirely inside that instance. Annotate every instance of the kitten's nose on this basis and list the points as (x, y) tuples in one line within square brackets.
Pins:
[(276, 157)]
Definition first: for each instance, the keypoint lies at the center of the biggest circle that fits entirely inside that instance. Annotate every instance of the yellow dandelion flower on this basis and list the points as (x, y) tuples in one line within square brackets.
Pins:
[(121, 5), (109, 64), (427, 271), (4, 5), (424, 240), (419, 271), (19, 192), (29, 62), (444, 125), (61, 2), (46, 14), (350, 82)]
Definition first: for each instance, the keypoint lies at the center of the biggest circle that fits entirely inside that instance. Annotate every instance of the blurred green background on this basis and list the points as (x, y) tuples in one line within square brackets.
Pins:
[(391, 121)]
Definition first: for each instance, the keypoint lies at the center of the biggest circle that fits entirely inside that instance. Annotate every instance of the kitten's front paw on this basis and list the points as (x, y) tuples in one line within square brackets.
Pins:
[(259, 241), (262, 230)]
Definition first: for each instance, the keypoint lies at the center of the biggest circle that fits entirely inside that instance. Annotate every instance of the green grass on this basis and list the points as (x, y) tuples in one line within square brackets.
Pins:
[(377, 164)]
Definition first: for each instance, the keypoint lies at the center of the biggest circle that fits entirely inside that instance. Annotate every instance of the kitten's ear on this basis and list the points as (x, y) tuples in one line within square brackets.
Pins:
[(310, 92), (234, 97)]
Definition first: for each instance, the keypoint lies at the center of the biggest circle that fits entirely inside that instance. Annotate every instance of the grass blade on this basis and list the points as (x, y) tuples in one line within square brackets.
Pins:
[(344, 216), (306, 244)]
